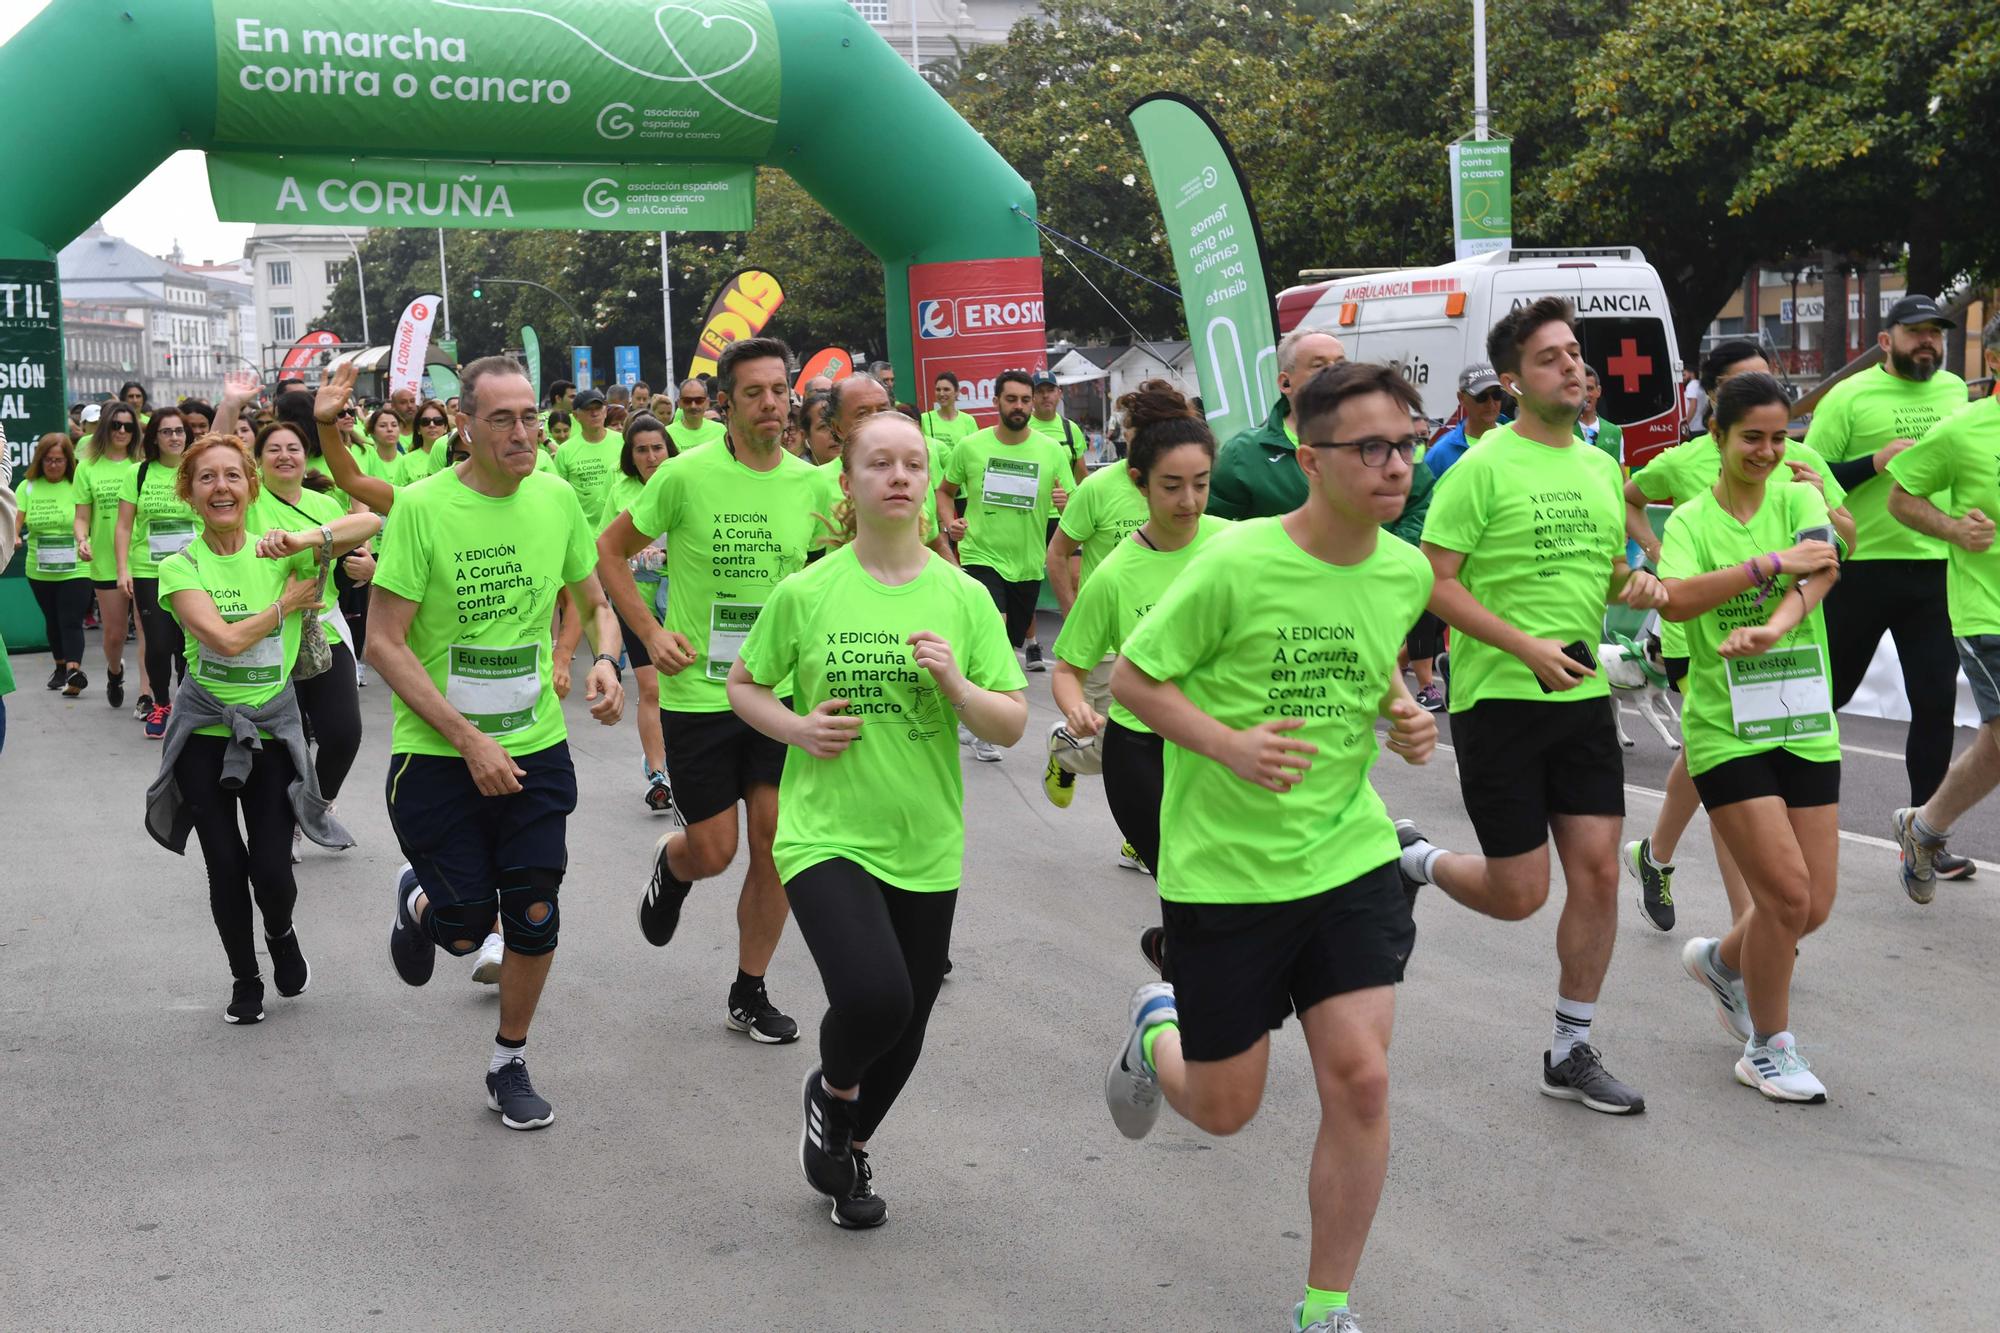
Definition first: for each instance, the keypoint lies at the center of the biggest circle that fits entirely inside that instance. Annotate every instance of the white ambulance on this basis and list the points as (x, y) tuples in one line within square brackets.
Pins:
[(1432, 322)]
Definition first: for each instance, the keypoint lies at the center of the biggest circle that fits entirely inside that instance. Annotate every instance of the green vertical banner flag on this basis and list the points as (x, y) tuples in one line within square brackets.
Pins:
[(1482, 196), (31, 358), (531, 349), (1209, 221)]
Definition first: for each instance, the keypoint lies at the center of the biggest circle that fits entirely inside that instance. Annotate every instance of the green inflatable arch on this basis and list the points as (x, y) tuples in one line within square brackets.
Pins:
[(802, 85)]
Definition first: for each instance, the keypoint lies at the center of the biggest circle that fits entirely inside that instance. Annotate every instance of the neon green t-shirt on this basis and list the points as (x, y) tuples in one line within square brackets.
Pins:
[(1069, 437), (1783, 699), (839, 634), (1255, 629), (1685, 471), (686, 438), (241, 585), (1540, 529), (99, 481), (649, 566), (161, 523), (50, 510), (944, 434), (1009, 492), (590, 469), (317, 463), (1110, 606), (311, 510), (1961, 456), (485, 572), (1861, 414), (374, 465), (733, 534), (826, 496), (1103, 510)]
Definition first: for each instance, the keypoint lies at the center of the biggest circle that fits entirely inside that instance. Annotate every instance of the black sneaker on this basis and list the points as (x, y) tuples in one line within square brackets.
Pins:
[(409, 948), (660, 909), (751, 1011), (509, 1092), (144, 708), (74, 683), (826, 1140), (659, 796), (1950, 865), (1153, 944), (1034, 658), (860, 1208), (1655, 881), (114, 688), (289, 969), (1582, 1077), (246, 1002), (58, 676)]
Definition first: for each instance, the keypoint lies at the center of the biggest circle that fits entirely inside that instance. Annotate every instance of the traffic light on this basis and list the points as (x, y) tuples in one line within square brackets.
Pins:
[(477, 294)]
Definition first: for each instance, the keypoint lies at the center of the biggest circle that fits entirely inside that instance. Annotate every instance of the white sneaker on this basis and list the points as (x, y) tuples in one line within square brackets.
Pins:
[(486, 969), (986, 752), (964, 734), (360, 673), (298, 845), (1336, 1321), (1732, 1005), (1131, 1090), (1779, 1071)]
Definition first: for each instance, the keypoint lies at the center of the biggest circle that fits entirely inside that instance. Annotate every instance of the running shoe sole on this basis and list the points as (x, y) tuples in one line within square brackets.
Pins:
[(1563, 1093), (1914, 866), (493, 1104), (1747, 1075), (414, 957), (1134, 1118), (487, 970), (748, 1027), (659, 887), (805, 1122)]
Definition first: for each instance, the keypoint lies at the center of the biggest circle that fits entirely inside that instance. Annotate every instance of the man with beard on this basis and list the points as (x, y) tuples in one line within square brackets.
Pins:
[(1895, 580), (1012, 476)]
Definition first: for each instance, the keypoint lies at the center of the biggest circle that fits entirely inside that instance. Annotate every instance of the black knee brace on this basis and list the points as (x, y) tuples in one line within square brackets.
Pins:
[(460, 928), (528, 909)]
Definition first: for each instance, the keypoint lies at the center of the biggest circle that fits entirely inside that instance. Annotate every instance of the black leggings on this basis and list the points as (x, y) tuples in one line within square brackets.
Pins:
[(332, 709), (1134, 780), (881, 952), (234, 869), (1905, 599), (1426, 638), (166, 650), (63, 604), (354, 607)]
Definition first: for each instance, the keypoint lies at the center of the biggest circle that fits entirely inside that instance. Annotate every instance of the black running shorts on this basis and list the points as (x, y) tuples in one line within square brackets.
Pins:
[(1523, 761)]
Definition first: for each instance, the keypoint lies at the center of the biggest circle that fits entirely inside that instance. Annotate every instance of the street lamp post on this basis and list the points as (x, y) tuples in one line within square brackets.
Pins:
[(360, 279), (582, 326)]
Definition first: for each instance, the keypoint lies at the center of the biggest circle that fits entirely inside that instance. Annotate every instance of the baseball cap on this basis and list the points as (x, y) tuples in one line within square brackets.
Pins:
[(91, 413), (1476, 379), (1917, 308), (588, 398), (1042, 379)]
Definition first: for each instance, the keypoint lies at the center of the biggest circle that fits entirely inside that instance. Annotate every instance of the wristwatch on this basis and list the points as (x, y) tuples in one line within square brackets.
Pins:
[(615, 670)]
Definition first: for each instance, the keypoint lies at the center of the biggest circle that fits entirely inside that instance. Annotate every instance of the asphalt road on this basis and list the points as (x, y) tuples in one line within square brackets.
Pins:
[(336, 1166)]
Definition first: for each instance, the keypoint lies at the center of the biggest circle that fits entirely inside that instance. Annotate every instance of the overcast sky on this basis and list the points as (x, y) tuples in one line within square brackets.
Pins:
[(171, 204)]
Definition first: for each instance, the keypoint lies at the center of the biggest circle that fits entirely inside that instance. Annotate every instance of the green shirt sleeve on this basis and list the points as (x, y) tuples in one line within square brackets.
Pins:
[(985, 657), (1678, 557), (404, 569), (1836, 494), (771, 651), (1088, 634), (580, 552), (1931, 464), (1658, 480), (1829, 433), (658, 506), (1187, 624), (1460, 511)]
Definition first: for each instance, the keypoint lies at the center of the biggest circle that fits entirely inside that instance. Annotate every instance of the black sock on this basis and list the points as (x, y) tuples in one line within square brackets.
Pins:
[(746, 982)]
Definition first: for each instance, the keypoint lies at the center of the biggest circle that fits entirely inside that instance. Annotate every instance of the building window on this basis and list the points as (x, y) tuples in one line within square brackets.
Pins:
[(336, 269), (874, 11), (279, 272), (284, 328)]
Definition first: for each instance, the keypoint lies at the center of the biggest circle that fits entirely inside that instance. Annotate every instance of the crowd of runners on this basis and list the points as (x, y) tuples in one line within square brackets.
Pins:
[(826, 600)]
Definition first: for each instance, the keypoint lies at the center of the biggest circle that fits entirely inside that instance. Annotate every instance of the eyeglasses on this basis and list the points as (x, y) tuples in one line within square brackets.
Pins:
[(692, 401), (507, 423), (1375, 450), (424, 421), (171, 432)]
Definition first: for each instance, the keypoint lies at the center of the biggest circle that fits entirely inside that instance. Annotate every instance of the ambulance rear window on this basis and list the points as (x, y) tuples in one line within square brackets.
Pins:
[(1633, 363)]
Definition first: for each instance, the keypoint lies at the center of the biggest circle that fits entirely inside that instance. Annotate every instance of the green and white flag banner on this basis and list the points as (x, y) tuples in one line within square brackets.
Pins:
[(1482, 196), (1209, 222)]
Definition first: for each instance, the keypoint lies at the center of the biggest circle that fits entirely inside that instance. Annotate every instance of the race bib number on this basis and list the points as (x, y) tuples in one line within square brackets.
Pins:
[(728, 626), (1011, 483), (56, 557), (1782, 694), (495, 689), (168, 537), (263, 663)]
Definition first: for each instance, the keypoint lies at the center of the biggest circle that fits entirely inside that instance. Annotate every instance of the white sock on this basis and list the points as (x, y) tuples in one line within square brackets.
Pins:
[(1419, 860), (502, 1053), (1572, 1026)]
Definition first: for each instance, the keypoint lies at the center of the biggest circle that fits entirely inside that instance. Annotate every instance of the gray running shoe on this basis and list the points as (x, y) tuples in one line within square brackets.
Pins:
[(986, 752), (1655, 881), (1917, 870), (1732, 1004), (1336, 1321), (1582, 1077), (1131, 1090)]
